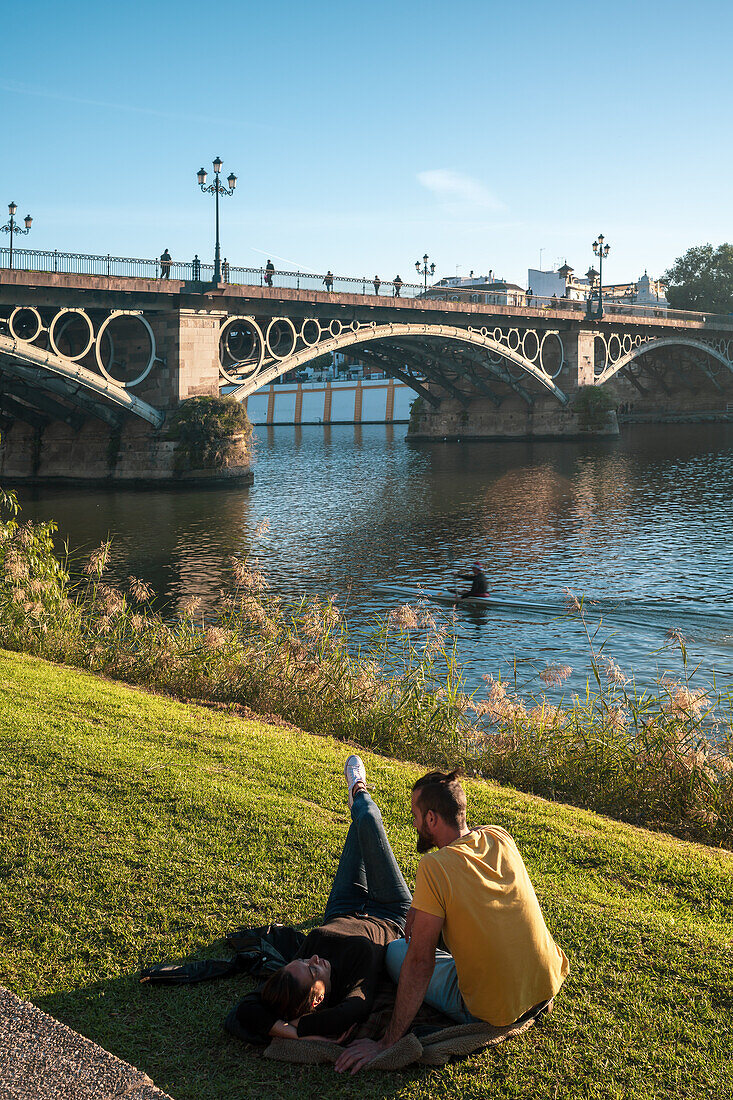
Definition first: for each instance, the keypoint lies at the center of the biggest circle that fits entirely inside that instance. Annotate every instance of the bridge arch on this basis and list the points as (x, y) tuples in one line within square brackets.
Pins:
[(72, 381), (265, 372), (612, 368)]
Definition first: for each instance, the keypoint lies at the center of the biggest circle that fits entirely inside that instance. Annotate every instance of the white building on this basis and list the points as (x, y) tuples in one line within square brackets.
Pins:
[(564, 283)]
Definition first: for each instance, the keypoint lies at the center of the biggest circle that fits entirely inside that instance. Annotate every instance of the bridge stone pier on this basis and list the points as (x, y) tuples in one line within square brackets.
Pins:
[(91, 367)]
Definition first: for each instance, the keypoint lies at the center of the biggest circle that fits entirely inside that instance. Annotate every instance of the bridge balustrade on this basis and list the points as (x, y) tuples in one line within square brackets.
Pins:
[(78, 263)]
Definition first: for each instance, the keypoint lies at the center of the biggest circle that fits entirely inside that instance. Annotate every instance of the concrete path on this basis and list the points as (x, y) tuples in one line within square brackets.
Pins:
[(41, 1059)]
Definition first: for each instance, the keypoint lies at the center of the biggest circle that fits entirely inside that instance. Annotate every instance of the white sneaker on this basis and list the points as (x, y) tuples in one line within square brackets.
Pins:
[(355, 772)]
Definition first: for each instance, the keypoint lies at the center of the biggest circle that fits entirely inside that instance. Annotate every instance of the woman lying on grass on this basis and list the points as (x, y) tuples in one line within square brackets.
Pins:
[(330, 987)]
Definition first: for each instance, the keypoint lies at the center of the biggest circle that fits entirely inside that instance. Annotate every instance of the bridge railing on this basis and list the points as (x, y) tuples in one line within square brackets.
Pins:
[(197, 273), (79, 263), (310, 280)]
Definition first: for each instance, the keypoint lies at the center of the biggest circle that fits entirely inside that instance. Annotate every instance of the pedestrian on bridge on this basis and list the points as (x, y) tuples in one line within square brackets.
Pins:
[(225, 270), (196, 269), (328, 281), (165, 264), (377, 284), (269, 272), (397, 283)]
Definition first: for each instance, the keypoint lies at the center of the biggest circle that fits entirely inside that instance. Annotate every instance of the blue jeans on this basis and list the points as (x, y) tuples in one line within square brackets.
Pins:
[(443, 992), (368, 880)]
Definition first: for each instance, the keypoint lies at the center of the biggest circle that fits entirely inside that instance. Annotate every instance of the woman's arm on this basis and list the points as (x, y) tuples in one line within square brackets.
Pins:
[(281, 1030)]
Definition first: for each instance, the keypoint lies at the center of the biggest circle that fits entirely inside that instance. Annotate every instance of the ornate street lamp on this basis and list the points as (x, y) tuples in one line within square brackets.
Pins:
[(591, 275), (216, 188), (600, 250), (425, 270), (12, 228)]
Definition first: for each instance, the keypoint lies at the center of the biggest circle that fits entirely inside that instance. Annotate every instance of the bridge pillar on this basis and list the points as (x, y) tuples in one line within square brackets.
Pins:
[(188, 342), (579, 347), (534, 412)]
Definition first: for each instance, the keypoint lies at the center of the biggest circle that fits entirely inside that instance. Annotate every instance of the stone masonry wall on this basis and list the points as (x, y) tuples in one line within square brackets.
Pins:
[(189, 343), (138, 454), (512, 420)]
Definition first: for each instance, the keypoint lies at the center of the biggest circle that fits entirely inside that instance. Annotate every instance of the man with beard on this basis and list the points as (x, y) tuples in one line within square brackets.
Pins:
[(503, 964)]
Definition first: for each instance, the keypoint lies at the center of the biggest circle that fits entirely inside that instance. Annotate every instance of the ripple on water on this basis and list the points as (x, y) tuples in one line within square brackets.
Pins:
[(642, 526)]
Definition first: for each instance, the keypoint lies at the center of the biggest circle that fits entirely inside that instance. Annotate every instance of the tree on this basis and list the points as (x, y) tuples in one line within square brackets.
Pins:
[(323, 362), (702, 279)]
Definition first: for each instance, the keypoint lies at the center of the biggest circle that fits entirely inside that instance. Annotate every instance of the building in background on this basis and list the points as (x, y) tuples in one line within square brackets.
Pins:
[(564, 283), (477, 288)]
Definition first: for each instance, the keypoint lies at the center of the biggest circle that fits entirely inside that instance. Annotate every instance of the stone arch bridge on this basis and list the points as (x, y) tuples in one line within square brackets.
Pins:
[(91, 366)]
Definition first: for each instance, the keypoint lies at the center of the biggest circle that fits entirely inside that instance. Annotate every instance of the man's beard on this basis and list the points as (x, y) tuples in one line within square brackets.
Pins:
[(424, 842)]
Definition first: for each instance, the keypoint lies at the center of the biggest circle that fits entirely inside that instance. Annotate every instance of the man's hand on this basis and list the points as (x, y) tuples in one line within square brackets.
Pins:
[(415, 977), (358, 1054)]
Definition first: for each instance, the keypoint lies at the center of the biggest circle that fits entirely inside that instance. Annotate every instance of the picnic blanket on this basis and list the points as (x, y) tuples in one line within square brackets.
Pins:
[(434, 1048)]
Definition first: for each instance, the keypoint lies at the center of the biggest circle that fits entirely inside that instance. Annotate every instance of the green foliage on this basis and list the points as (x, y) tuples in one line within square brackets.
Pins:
[(416, 410), (593, 406), (323, 362), (134, 829), (203, 427), (702, 279)]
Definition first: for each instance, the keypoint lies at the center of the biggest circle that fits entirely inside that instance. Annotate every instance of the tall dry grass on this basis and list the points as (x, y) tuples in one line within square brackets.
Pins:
[(660, 758)]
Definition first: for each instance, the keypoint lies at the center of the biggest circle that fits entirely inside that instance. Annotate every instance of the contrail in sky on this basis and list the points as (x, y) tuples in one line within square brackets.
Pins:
[(283, 259)]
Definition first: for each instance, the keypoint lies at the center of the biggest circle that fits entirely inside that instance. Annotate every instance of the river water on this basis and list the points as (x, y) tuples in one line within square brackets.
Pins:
[(641, 527)]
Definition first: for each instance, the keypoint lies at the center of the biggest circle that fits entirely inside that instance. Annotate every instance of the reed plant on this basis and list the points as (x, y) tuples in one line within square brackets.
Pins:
[(660, 759)]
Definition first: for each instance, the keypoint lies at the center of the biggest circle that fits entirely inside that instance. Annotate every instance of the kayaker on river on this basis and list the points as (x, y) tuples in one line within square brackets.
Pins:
[(479, 584)]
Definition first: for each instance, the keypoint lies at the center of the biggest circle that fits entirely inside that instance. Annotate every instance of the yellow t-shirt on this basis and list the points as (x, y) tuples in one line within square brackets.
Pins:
[(506, 959)]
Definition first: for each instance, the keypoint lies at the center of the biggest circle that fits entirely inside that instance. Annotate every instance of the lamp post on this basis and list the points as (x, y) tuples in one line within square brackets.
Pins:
[(591, 275), (12, 228), (216, 188), (600, 250), (425, 270)]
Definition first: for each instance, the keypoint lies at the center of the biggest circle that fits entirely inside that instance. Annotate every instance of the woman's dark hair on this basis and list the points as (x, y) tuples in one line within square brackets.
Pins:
[(442, 793), (284, 994)]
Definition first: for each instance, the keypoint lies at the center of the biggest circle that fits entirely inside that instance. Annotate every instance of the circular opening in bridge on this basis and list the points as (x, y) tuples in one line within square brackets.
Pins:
[(310, 332), (513, 339), (125, 349), (614, 348), (335, 328), (241, 349), (241, 343), (25, 323), (626, 344), (498, 334), (281, 337), (600, 354), (71, 334), (552, 356), (530, 345)]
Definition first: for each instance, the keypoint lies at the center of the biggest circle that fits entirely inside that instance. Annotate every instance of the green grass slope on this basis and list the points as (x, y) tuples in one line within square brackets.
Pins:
[(134, 829)]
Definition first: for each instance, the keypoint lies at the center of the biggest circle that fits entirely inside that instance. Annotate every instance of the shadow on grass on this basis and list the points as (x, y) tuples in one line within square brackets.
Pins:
[(175, 1034)]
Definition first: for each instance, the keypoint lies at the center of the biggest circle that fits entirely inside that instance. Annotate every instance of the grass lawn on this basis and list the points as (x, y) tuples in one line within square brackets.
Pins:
[(134, 829)]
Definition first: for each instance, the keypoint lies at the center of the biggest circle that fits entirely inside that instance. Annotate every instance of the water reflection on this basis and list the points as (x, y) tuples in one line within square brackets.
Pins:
[(642, 525)]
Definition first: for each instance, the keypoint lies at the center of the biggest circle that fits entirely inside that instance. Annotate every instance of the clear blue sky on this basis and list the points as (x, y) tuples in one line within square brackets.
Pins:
[(366, 134)]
